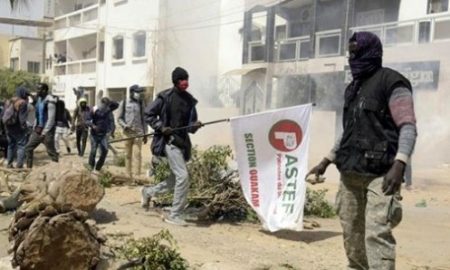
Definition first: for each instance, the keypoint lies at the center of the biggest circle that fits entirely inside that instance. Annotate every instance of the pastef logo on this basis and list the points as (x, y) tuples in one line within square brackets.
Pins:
[(285, 136)]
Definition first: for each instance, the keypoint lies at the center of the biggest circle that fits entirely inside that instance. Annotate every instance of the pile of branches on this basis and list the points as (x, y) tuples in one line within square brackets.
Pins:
[(214, 187)]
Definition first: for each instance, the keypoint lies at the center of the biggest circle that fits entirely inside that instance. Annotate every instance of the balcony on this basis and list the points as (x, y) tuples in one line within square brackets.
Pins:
[(76, 67), (77, 18), (424, 30)]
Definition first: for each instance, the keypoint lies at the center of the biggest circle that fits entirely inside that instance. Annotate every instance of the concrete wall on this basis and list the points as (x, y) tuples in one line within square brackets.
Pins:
[(4, 52)]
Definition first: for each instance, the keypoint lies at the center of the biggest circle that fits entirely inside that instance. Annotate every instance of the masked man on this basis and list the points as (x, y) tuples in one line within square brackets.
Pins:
[(131, 119), (377, 142), (172, 109)]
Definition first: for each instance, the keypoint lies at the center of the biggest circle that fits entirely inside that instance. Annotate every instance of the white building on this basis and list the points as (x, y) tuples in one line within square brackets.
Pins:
[(40, 10), (103, 47)]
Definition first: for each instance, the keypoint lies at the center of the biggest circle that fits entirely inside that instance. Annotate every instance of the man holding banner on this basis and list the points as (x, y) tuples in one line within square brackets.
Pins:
[(377, 142)]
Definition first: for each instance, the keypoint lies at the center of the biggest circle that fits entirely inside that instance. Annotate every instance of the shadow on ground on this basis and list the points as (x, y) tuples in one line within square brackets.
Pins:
[(304, 236), (101, 216)]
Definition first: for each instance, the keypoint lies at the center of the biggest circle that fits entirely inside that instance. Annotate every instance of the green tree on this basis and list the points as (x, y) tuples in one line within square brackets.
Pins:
[(10, 80)]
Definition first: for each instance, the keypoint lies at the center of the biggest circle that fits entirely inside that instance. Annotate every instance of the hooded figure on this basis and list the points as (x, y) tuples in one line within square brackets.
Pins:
[(16, 132), (172, 109), (377, 141), (79, 124)]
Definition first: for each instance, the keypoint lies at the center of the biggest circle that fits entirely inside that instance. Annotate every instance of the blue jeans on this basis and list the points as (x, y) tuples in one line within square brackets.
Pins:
[(17, 141), (96, 142)]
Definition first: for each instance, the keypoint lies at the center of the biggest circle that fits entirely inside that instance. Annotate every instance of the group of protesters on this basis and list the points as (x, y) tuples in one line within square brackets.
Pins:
[(28, 120)]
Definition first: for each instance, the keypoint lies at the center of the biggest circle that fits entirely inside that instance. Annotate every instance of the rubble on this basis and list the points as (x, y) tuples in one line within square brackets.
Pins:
[(53, 236)]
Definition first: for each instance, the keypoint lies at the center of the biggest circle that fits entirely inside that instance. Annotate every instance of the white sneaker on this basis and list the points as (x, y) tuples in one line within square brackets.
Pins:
[(145, 200), (175, 221)]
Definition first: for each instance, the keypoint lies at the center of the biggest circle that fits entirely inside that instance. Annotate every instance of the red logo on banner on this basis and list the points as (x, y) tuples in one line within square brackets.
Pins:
[(285, 136)]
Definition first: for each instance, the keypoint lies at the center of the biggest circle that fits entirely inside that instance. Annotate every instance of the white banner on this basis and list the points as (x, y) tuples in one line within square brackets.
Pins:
[(272, 155)]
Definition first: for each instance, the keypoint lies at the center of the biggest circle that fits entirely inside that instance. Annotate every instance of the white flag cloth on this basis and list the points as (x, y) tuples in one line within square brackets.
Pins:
[(272, 155)]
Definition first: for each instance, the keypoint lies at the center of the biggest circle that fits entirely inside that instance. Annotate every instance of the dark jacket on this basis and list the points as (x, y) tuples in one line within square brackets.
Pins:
[(64, 119), (22, 113), (370, 139), (157, 115), (100, 120)]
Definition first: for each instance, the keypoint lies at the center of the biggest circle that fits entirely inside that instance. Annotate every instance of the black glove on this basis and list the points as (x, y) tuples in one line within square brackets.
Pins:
[(320, 168), (198, 124), (166, 131), (394, 177)]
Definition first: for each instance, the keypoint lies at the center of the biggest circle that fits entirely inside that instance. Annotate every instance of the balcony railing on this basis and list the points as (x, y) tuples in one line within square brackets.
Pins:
[(293, 49), (77, 18), (433, 28), (76, 67)]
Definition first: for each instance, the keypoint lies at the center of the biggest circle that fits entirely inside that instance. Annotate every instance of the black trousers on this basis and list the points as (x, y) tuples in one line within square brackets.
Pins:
[(81, 134)]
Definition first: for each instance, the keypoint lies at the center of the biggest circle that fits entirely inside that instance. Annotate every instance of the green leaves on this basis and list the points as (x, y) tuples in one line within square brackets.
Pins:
[(10, 80), (158, 252), (317, 205)]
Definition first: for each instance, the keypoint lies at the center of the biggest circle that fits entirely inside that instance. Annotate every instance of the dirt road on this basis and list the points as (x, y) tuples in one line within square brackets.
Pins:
[(423, 236)]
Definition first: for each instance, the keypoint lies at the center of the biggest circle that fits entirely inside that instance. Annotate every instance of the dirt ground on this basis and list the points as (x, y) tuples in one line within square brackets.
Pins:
[(423, 237)]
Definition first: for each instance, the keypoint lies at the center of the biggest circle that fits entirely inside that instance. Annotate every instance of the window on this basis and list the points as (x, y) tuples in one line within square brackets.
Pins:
[(14, 64), (257, 52), (118, 48), (33, 67), (139, 40), (437, 6), (328, 44), (288, 51)]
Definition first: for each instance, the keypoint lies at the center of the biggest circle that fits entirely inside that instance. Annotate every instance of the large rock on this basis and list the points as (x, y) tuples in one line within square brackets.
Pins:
[(53, 236), (77, 187)]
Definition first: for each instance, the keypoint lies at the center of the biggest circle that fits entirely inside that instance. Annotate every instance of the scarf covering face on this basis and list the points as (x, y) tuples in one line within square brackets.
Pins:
[(366, 52)]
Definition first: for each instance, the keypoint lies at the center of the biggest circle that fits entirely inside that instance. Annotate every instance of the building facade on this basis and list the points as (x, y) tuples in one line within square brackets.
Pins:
[(295, 52), (103, 47)]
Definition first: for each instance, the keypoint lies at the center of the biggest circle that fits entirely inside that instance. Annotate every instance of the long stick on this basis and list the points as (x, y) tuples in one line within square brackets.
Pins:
[(174, 129)]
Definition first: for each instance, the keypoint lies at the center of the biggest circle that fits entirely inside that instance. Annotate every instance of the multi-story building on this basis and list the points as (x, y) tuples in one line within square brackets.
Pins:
[(26, 54), (24, 28), (295, 52), (103, 47)]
